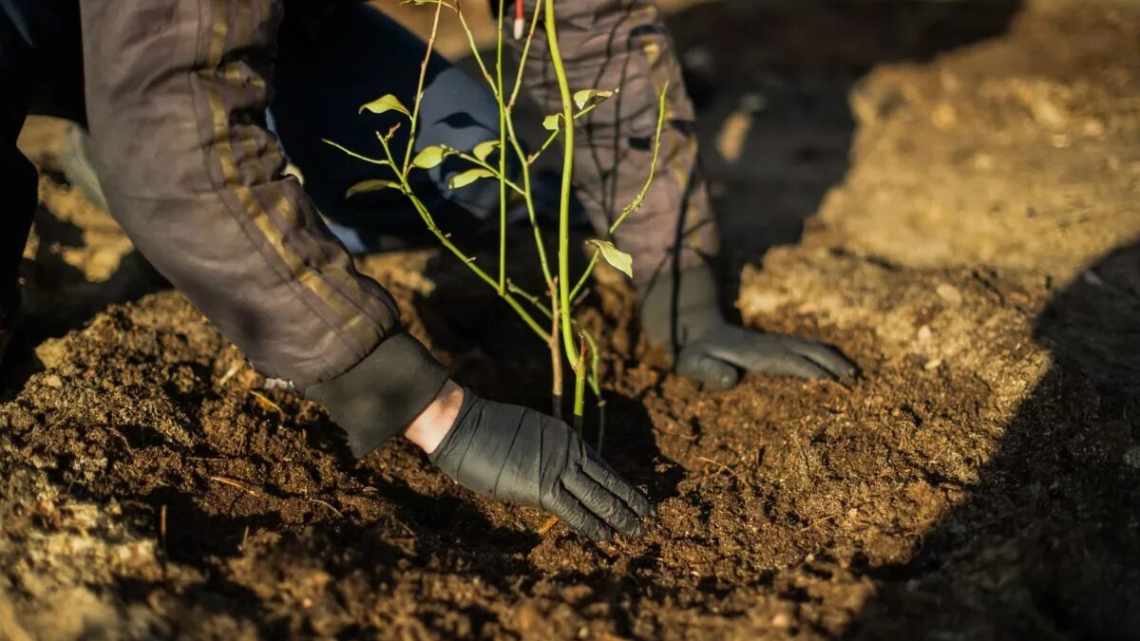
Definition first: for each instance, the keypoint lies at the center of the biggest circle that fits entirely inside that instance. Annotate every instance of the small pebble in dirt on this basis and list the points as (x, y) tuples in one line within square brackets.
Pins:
[(52, 353), (53, 381), (1093, 128), (984, 162), (782, 621), (950, 294), (944, 116), (1132, 458)]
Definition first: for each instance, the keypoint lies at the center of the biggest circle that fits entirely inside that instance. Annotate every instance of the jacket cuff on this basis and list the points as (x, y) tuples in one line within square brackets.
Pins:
[(378, 397)]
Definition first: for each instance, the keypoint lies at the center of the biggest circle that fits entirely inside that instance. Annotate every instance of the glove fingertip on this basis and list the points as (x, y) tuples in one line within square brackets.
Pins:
[(649, 506), (834, 361), (641, 505), (840, 370)]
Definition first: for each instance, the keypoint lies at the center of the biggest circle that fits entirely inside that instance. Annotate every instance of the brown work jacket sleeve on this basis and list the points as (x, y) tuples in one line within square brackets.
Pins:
[(609, 44), (176, 95)]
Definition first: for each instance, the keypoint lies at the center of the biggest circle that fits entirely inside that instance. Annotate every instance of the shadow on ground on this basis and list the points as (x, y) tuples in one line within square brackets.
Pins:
[(774, 145), (1068, 454), (771, 82)]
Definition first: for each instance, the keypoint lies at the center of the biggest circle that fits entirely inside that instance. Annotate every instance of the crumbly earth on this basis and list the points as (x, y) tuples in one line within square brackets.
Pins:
[(967, 231)]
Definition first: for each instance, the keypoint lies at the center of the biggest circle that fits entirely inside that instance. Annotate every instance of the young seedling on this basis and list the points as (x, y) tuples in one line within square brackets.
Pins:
[(566, 339)]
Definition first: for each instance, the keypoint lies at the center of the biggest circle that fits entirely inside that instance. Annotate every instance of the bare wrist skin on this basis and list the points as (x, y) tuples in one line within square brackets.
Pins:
[(432, 424)]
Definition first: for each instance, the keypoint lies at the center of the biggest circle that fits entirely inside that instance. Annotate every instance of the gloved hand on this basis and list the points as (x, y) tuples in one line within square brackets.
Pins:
[(682, 314), (516, 454)]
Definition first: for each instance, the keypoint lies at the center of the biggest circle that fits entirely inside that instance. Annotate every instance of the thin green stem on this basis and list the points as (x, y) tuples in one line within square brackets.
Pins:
[(508, 110), (502, 155), (554, 346), (530, 298), (513, 186), (475, 53), (554, 134), (478, 271), (508, 120), (420, 89), (391, 161), (594, 362), (528, 196), (469, 261), (585, 275), (523, 56), (567, 173), (637, 201), (367, 159), (580, 385)]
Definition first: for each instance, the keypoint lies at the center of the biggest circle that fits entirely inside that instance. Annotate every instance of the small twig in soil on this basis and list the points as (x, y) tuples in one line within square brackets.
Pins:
[(234, 369), (547, 525), (121, 437), (237, 485), (266, 403), (329, 506), (722, 467), (162, 526), (817, 523)]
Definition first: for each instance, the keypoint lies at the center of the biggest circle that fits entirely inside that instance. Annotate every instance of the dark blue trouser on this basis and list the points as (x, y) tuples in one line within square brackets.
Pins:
[(357, 55), (325, 71)]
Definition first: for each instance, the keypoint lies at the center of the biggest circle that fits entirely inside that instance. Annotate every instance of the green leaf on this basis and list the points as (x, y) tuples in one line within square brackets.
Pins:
[(586, 96), (483, 150), (366, 186), (617, 259), (430, 157), (466, 178), (553, 122), (385, 104)]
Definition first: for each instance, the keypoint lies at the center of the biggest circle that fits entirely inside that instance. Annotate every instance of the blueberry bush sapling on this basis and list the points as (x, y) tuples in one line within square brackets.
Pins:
[(550, 316)]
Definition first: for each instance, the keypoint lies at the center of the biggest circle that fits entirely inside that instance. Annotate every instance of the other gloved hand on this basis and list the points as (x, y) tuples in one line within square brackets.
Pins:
[(516, 454), (682, 313)]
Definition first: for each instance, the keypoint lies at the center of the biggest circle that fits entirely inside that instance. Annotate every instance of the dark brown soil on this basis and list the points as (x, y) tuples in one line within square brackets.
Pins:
[(981, 481)]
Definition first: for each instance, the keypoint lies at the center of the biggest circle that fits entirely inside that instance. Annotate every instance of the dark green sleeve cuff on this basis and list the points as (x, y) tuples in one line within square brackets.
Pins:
[(377, 398)]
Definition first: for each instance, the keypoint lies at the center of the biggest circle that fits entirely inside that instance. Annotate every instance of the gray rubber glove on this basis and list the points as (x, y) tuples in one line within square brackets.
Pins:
[(682, 314), (516, 454)]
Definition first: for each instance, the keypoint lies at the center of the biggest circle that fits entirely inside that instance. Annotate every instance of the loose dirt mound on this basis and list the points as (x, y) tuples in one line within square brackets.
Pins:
[(982, 481)]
